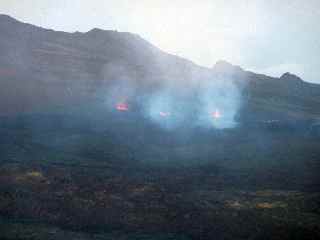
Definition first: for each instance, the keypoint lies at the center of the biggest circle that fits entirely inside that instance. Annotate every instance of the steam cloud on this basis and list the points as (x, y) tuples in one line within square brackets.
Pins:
[(219, 96), (207, 100)]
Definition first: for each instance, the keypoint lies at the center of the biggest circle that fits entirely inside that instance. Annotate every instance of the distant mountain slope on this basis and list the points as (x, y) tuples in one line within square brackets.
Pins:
[(41, 68)]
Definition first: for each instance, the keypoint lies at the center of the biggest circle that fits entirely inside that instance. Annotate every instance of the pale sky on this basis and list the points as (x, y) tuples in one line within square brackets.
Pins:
[(266, 36)]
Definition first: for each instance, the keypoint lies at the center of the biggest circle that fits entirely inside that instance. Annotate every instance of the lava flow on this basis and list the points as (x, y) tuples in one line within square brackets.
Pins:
[(122, 107)]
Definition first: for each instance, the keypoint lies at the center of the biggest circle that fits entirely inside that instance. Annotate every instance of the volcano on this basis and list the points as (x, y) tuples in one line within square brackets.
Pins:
[(105, 136), (67, 69)]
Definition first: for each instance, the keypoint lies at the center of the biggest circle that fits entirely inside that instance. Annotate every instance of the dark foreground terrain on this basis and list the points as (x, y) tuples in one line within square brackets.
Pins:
[(74, 182)]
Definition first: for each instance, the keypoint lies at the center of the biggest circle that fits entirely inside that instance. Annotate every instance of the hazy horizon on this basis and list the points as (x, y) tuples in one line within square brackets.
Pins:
[(266, 37)]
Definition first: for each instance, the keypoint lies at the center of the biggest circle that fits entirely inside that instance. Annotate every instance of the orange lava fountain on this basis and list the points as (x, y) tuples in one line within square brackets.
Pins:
[(216, 114), (122, 107)]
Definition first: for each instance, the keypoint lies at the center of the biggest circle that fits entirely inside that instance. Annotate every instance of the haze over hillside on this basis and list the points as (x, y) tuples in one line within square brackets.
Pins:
[(41, 69)]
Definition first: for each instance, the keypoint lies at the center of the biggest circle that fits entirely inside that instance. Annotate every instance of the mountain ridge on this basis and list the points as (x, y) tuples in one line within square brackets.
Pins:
[(63, 68), (97, 31)]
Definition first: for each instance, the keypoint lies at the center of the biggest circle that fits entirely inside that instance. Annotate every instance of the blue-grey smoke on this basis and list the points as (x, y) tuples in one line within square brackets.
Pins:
[(220, 101), (163, 109), (121, 87), (203, 100)]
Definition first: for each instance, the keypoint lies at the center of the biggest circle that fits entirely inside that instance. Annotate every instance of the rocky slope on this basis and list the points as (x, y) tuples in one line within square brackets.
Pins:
[(41, 68)]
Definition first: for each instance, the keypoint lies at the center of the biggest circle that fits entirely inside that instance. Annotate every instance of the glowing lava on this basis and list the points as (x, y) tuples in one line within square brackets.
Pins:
[(122, 107), (216, 114), (164, 114)]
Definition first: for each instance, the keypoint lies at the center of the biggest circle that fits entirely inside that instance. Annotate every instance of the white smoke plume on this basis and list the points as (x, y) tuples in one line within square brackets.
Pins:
[(207, 100), (220, 101)]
